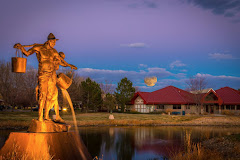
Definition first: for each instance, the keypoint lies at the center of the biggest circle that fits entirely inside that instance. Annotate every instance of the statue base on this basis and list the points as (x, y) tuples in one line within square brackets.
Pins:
[(64, 145), (47, 126)]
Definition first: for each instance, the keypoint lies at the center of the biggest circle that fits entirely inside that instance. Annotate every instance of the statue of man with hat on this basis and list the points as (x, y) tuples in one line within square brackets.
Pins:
[(46, 55)]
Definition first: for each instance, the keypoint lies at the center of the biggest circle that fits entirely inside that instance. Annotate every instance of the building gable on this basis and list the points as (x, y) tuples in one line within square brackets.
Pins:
[(211, 97)]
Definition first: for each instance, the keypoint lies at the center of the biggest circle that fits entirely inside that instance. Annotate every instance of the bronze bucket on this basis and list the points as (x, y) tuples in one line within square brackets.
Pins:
[(19, 64), (63, 81)]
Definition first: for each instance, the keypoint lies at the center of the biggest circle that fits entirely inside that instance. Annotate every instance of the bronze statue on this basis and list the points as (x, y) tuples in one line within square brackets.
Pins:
[(49, 60)]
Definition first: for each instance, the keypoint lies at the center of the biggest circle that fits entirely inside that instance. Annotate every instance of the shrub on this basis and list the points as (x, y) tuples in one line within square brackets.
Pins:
[(169, 110), (205, 113), (192, 113), (134, 112), (158, 112), (194, 151), (227, 112)]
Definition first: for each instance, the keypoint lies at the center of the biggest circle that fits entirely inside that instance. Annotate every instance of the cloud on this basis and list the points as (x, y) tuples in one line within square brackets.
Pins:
[(143, 65), (163, 76), (137, 77), (219, 56), (135, 45), (219, 81), (221, 76), (229, 14), (183, 70), (177, 63), (228, 8), (150, 4), (144, 4)]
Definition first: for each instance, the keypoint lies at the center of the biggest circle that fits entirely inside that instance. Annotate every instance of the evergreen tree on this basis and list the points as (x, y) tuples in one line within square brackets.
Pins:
[(91, 95), (109, 102), (124, 92)]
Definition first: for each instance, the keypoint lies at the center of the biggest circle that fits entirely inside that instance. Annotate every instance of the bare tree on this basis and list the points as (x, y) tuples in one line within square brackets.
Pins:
[(196, 85), (137, 89), (7, 88), (107, 87), (30, 79), (17, 89)]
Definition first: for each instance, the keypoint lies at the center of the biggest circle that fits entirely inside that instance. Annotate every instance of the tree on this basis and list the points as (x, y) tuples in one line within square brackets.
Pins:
[(137, 89), (30, 83), (17, 89), (91, 95), (124, 92), (109, 102), (107, 87), (196, 85)]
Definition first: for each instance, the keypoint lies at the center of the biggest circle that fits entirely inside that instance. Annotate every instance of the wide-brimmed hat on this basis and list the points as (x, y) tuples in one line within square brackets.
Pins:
[(51, 36)]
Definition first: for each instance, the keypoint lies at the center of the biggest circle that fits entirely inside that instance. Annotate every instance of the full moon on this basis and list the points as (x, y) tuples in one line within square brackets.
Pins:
[(150, 81)]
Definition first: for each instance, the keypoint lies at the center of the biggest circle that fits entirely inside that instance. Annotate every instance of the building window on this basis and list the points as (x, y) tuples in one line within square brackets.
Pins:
[(140, 108), (228, 107), (160, 106), (222, 107), (238, 107), (187, 107), (177, 106)]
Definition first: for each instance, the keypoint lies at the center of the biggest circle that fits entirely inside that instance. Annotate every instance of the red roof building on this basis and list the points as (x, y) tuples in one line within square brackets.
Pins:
[(167, 95), (181, 101), (229, 96)]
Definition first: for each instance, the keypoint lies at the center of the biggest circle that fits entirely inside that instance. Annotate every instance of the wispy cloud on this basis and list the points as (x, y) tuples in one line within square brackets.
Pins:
[(135, 45), (218, 81), (177, 63), (164, 77), (218, 6), (143, 65), (227, 8), (220, 76), (183, 70), (144, 4), (219, 56), (100, 75)]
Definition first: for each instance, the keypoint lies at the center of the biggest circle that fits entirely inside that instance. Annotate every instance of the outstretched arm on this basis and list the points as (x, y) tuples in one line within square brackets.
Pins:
[(63, 63), (24, 51)]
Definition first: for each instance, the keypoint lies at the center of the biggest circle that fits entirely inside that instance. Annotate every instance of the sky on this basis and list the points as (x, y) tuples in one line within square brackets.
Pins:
[(108, 40)]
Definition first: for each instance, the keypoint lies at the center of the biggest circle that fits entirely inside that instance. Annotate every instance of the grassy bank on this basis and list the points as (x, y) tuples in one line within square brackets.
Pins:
[(217, 148), (23, 119)]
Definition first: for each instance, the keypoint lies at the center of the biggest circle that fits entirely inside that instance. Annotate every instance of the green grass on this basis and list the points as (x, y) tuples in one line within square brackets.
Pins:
[(23, 119)]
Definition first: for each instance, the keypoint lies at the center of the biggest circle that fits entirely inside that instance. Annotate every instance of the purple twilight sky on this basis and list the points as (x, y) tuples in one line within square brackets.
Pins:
[(110, 39)]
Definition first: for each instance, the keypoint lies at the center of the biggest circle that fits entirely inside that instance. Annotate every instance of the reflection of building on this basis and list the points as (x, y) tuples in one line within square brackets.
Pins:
[(178, 100)]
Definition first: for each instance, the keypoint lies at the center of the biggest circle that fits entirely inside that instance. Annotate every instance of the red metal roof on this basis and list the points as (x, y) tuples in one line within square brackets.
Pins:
[(167, 95), (229, 95), (173, 95)]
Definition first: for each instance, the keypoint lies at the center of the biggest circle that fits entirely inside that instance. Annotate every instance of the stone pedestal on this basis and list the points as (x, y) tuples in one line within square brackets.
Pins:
[(29, 146), (111, 116), (47, 126)]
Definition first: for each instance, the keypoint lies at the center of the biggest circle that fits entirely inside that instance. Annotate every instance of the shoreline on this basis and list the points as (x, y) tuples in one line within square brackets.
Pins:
[(26, 124), (21, 120)]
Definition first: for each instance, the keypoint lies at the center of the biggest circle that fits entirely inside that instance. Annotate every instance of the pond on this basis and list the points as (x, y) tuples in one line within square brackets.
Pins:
[(140, 143)]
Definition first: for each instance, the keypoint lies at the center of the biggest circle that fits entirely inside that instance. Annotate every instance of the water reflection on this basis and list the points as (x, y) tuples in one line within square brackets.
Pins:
[(125, 143), (140, 143)]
